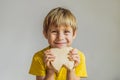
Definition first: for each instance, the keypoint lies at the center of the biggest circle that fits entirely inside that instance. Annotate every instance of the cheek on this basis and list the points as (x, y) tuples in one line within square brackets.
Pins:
[(70, 38), (52, 37)]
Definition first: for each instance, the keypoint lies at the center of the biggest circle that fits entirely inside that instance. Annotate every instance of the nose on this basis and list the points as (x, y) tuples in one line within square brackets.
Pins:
[(60, 36)]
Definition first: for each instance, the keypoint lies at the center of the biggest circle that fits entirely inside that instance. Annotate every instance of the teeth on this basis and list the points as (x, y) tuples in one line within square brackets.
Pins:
[(61, 43)]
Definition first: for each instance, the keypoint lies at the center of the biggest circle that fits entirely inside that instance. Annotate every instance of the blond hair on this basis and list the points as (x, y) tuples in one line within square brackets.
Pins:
[(59, 16)]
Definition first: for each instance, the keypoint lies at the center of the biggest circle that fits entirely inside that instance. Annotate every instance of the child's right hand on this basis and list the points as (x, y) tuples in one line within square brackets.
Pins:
[(48, 58)]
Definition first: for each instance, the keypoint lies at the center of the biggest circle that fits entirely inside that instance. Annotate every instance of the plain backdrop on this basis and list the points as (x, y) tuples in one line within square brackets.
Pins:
[(98, 35)]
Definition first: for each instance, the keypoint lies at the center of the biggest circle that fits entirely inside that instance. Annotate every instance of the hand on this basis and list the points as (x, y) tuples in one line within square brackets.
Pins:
[(48, 58), (74, 56)]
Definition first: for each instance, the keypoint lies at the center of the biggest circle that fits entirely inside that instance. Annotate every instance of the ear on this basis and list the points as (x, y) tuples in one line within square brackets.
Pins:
[(45, 34), (74, 34)]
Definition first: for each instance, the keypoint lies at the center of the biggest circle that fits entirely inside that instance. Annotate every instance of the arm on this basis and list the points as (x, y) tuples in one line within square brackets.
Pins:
[(76, 58), (49, 76), (71, 75), (48, 57), (39, 78)]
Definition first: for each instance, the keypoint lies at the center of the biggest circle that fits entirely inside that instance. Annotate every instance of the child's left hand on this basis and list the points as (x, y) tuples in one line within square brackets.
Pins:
[(74, 56)]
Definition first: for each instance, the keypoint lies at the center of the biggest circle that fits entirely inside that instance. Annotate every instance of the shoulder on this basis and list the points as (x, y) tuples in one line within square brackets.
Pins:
[(81, 54), (39, 54)]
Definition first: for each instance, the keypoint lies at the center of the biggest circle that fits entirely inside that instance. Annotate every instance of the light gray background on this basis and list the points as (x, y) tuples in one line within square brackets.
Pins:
[(98, 35)]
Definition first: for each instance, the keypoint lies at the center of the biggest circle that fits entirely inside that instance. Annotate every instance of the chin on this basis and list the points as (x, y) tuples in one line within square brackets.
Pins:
[(61, 46)]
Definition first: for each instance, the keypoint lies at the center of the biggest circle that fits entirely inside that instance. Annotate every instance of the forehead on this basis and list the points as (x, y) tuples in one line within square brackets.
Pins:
[(62, 27)]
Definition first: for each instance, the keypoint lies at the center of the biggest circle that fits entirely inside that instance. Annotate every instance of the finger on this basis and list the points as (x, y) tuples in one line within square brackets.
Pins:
[(76, 57), (70, 58), (49, 58), (73, 55), (74, 51), (48, 61), (48, 52), (76, 62)]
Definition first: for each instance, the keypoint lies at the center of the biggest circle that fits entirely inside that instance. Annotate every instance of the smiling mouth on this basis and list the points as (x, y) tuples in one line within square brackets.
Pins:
[(60, 43)]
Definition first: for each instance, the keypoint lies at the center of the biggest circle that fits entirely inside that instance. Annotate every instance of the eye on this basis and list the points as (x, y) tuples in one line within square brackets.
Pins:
[(67, 31), (53, 31)]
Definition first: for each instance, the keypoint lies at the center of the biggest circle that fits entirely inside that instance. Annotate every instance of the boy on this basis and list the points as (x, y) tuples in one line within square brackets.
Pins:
[(59, 28)]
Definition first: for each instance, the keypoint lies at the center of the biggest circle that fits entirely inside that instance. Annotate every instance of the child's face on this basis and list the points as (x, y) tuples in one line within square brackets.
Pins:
[(59, 37)]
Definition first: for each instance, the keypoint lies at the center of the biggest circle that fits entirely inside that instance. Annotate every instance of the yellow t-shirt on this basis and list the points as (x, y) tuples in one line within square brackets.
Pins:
[(38, 67)]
